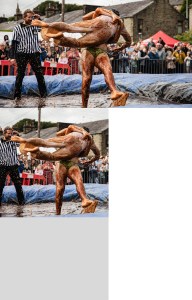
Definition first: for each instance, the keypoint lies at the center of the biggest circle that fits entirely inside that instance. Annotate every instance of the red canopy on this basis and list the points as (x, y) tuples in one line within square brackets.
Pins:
[(167, 39)]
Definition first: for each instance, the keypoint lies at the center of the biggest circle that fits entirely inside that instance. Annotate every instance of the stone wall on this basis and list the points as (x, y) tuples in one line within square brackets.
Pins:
[(158, 16)]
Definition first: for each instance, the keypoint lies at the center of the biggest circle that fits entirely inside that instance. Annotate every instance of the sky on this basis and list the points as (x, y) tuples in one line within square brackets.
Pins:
[(10, 116), (8, 7)]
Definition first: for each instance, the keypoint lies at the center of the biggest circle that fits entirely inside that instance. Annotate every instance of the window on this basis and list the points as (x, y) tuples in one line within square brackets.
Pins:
[(140, 26), (179, 27)]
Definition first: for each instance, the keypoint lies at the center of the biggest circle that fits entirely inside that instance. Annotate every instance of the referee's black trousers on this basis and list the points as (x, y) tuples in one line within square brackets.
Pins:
[(14, 174), (33, 59)]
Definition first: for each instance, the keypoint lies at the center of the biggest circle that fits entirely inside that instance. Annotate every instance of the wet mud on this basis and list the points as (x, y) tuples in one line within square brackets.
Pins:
[(46, 209)]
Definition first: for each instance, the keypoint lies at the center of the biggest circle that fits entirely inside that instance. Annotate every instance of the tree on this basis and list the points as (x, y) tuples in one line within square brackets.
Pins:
[(184, 37), (19, 125), (183, 7), (68, 7)]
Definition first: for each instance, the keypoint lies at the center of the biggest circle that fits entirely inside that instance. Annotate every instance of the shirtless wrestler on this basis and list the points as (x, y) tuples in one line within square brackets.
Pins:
[(101, 27), (73, 142)]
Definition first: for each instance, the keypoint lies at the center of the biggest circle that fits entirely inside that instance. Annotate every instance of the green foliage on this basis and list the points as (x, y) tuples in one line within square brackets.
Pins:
[(185, 37), (41, 7), (6, 30), (72, 7), (19, 125), (68, 7), (11, 19), (183, 7)]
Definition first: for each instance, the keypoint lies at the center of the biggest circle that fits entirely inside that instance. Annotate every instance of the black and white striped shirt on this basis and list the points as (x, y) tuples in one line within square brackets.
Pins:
[(26, 37), (8, 153)]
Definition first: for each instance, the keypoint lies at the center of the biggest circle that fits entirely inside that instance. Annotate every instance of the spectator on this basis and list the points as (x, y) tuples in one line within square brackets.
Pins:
[(39, 170), (153, 62), (134, 59), (151, 43), (187, 62), (142, 57), (6, 42), (73, 58), (171, 62), (124, 59), (161, 41), (4, 55), (180, 57), (63, 59)]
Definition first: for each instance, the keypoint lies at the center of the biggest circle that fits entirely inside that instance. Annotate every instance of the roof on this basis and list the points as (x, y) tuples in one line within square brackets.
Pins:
[(94, 128), (45, 133), (132, 8), (70, 17)]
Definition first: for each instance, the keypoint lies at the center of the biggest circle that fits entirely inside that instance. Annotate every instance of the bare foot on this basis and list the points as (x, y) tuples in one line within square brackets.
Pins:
[(39, 23), (121, 100), (90, 208), (17, 139)]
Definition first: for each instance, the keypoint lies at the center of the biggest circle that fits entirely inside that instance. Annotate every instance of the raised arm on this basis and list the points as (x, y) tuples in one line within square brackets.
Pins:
[(88, 16), (103, 11), (96, 154), (74, 128), (125, 34)]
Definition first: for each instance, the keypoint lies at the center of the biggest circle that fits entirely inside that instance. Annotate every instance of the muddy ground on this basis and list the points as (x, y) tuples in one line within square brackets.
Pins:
[(45, 209), (96, 100)]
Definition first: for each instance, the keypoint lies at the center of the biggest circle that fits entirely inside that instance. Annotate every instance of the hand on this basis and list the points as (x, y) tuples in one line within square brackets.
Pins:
[(116, 49), (13, 61), (85, 162), (115, 18), (36, 16)]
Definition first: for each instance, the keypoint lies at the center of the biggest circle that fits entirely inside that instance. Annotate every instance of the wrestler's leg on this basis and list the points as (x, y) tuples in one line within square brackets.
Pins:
[(96, 38), (87, 72), (74, 174), (52, 142), (69, 152), (61, 175), (103, 63)]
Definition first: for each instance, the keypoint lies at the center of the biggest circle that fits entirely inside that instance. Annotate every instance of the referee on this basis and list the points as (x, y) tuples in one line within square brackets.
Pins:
[(25, 49), (9, 164)]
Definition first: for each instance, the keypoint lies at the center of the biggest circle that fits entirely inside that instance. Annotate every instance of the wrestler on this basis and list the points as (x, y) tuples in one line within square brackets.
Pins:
[(73, 142), (102, 27)]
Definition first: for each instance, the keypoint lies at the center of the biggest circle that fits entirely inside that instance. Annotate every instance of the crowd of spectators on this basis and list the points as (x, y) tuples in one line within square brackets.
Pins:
[(96, 172), (154, 57)]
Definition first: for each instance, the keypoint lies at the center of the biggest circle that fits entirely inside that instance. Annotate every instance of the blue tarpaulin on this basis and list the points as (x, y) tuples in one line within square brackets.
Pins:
[(134, 83), (46, 193)]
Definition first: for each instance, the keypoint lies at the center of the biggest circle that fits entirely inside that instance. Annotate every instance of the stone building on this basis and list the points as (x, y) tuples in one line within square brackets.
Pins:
[(144, 18)]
